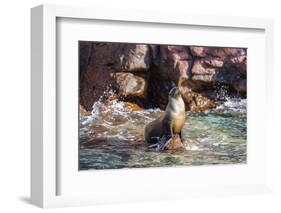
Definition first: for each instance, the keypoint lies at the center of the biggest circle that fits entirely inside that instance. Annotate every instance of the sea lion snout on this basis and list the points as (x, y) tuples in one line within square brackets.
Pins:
[(175, 92)]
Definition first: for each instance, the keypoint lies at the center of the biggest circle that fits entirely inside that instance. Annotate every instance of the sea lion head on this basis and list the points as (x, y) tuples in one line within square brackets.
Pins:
[(175, 93)]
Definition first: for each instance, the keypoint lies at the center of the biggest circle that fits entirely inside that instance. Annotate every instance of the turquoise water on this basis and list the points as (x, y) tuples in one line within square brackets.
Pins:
[(112, 138)]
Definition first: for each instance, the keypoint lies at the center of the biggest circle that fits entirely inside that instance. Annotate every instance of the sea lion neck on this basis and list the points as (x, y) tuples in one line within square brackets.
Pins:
[(174, 92), (176, 104)]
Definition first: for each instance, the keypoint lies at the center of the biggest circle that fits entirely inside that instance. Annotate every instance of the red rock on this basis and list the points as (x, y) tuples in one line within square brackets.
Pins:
[(98, 61), (171, 63), (218, 65), (128, 84), (196, 102), (146, 73), (174, 143), (214, 62), (198, 51), (136, 58), (202, 68), (83, 112), (174, 63), (132, 106)]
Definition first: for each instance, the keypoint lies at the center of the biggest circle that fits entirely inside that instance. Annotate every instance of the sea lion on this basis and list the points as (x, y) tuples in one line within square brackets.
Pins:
[(159, 131)]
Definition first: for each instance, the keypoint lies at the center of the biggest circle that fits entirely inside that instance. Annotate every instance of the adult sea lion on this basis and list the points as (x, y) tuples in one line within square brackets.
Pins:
[(159, 131)]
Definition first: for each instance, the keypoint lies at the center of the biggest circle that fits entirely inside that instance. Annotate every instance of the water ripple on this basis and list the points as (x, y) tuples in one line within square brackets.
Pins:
[(112, 137)]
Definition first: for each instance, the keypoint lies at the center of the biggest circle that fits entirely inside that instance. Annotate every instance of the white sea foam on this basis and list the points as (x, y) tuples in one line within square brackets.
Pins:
[(113, 109), (192, 147), (233, 104)]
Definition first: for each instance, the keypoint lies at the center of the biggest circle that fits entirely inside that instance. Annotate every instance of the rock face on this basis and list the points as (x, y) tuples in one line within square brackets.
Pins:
[(104, 66), (144, 74), (135, 57), (170, 64), (223, 65)]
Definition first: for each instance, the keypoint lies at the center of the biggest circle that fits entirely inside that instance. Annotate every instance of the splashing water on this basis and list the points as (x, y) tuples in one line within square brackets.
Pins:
[(112, 137)]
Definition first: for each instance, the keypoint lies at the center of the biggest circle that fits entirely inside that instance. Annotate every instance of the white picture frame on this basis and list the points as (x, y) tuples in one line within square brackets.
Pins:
[(44, 149)]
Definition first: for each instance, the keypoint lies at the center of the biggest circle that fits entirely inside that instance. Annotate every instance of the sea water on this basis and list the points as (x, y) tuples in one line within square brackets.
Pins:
[(113, 137)]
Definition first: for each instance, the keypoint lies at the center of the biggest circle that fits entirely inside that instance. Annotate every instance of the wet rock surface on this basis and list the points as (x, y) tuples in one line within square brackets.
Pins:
[(175, 143), (128, 84)]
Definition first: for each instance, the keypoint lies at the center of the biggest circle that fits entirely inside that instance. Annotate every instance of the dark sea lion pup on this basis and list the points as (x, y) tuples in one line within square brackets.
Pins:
[(158, 132)]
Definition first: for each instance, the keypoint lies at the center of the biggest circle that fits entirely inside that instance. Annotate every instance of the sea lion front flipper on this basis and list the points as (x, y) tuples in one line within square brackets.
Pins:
[(165, 139), (163, 142)]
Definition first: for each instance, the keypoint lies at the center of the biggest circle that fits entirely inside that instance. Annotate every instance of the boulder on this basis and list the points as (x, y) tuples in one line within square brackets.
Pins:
[(216, 64), (133, 106), (174, 143), (198, 51), (214, 67), (135, 58), (98, 63), (195, 101), (174, 63), (220, 52), (130, 85), (93, 76), (144, 74)]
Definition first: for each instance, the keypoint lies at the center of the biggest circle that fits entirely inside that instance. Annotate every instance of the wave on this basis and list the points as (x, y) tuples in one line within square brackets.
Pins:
[(114, 119), (233, 104)]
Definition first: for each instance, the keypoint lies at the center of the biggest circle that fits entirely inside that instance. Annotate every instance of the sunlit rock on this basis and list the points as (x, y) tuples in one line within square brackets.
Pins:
[(132, 106), (128, 84), (144, 74), (174, 143)]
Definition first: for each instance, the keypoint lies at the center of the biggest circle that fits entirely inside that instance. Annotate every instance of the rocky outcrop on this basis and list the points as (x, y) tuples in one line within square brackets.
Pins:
[(130, 85), (144, 74), (135, 57), (174, 143), (219, 65), (112, 66), (170, 64)]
